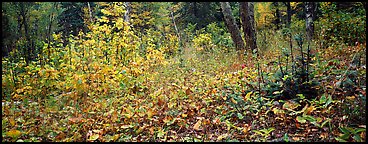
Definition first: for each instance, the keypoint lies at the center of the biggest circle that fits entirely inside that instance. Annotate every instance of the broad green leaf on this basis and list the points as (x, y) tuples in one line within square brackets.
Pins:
[(345, 136), (344, 130), (359, 130), (322, 100), (300, 119), (309, 118), (240, 116), (286, 138), (329, 100), (340, 140), (357, 138)]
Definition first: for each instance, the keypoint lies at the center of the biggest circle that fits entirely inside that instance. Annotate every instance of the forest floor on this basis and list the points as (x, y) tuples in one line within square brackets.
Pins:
[(199, 97)]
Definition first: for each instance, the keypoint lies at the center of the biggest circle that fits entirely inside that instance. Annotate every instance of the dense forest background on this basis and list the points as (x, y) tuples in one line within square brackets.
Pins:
[(184, 71)]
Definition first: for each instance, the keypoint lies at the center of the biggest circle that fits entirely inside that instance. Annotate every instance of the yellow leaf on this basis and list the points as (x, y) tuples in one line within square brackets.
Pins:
[(247, 96), (350, 97), (197, 125), (140, 130), (14, 133), (309, 110), (12, 122), (184, 115), (234, 101), (149, 113), (94, 137), (221, 137)]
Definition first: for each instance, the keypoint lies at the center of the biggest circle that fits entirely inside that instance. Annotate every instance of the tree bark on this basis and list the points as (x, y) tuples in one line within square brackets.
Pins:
[(288, 9), (25, 24), (309, 16), (231, 25), (90, 13), (127, 12), (277, 15), (247, 16)]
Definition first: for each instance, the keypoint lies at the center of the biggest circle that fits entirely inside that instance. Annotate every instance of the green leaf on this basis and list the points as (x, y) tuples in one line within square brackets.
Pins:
[(322, 100), (286, 138), (328, 120), (359, 130), (329, 100), (345, 136), (357, 138), (267, 131), (258, 132), (344, 130), (240, 116), (340, 140), (79, 81), (310, 118), (301, 119)]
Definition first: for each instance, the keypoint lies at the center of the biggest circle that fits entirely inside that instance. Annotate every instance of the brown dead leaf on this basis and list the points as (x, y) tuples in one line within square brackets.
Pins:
[(152, 130), (60, 136), (188, 91), (323, 135), (197, 125)]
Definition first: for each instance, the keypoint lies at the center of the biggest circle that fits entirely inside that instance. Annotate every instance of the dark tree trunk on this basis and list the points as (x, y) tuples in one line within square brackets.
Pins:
[(231, 25), (26, 33), (277, 15), (288, 9), (247, 16)]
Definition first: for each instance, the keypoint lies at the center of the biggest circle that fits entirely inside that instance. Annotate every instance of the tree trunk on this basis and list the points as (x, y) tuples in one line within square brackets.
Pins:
[(231, 25), (277, 15), (247, 16), (25, 24), (309, 16), (127, 12), (288, 9), (90, 13)]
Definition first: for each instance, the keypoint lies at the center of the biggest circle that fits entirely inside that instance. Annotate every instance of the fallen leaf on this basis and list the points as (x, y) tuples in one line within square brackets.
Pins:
[(197, 125), (234, 101), (14, 133), (188, 91), (247, 96), (350, 97), (300, 119), (221, 137), (309, 110), (60, 136), (93, 137), (12, 121)]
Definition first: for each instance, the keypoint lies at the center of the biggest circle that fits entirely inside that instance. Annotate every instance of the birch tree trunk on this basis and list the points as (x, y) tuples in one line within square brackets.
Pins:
[(231, 26), (309, 16), (127, 12)]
